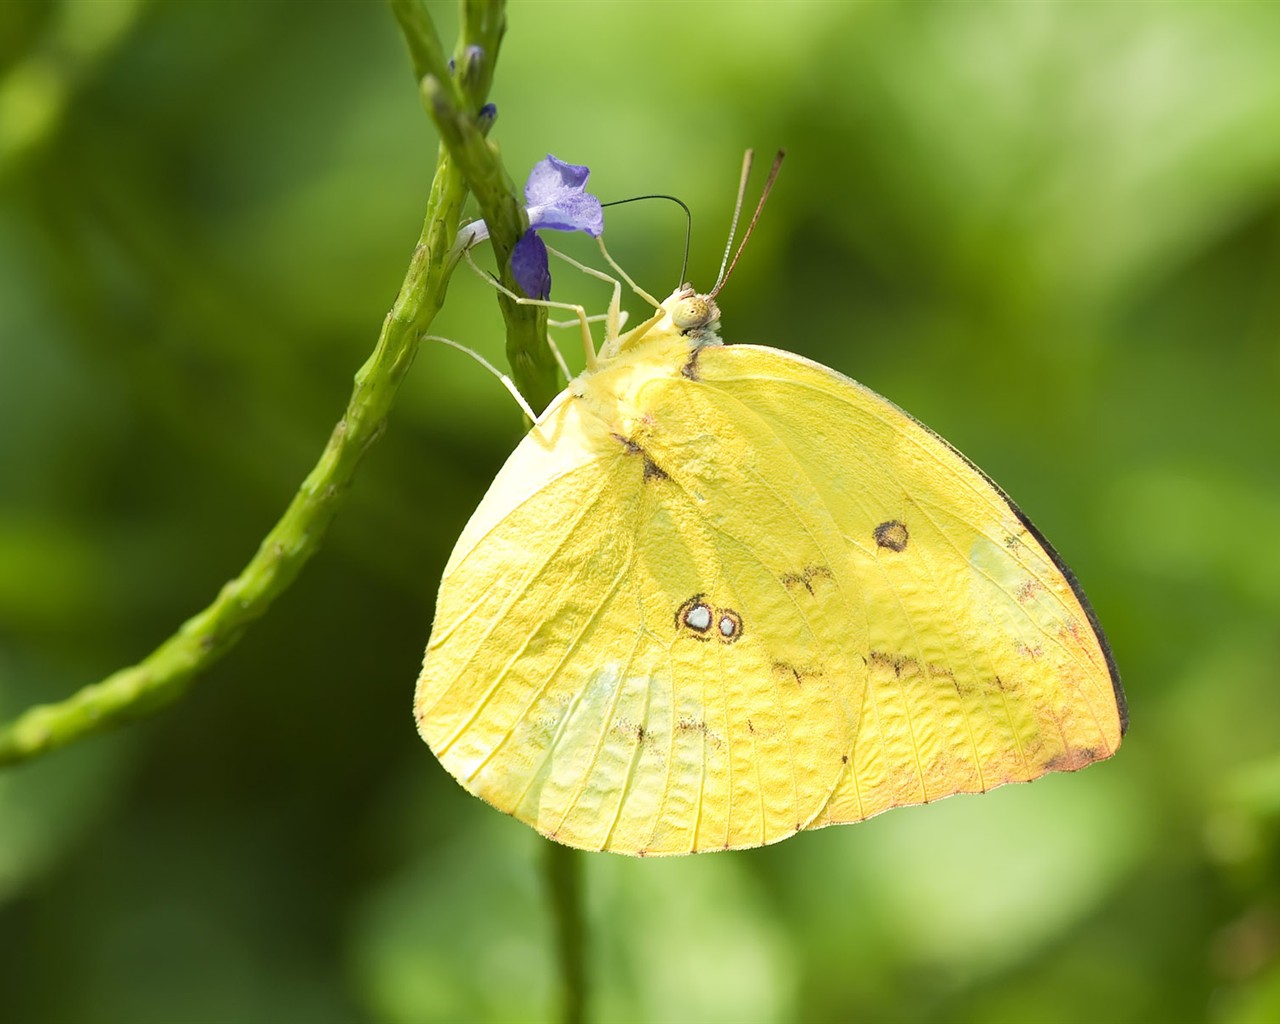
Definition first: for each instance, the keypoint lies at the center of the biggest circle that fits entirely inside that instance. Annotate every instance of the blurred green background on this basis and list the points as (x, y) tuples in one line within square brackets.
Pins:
[(1051, 231)]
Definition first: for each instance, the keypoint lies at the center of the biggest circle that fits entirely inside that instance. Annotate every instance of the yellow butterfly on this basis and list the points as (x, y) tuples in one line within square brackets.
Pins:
[(721, 593)]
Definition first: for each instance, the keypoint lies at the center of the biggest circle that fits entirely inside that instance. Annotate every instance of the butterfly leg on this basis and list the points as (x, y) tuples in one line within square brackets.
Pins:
[(505, 380), (581, 316), (613, 318), (616, 319), (594, 319)]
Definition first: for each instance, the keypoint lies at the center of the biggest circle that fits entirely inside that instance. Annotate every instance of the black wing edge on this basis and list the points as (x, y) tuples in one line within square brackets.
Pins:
[(1122, 702)]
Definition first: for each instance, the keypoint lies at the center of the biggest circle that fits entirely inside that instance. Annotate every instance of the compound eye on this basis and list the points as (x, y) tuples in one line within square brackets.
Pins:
[(691, 313)]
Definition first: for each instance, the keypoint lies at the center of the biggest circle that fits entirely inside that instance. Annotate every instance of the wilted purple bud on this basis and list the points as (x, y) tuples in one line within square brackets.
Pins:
[(486, 116), (530, 266)]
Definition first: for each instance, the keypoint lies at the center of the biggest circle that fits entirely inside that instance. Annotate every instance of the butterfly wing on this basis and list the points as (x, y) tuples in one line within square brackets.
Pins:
[(726, 598), (985, 664), (617, 659)]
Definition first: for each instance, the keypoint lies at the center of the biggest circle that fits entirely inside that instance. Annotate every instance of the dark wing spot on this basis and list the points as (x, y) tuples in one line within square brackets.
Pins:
[(1072, 760), (1028, 589), (897, 662), (797, 672), (692, 725), (1027, 651), (652, 471), (844, 758), (1004, 686), (892, 535), (906, 667), (805, 579), (626, 442), (796, 579), (634, 729)]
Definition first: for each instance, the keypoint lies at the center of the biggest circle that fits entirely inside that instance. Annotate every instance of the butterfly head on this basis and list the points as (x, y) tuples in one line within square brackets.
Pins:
[(694, 316)]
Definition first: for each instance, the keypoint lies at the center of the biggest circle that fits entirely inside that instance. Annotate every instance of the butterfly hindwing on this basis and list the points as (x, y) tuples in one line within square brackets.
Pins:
[(592, 670)]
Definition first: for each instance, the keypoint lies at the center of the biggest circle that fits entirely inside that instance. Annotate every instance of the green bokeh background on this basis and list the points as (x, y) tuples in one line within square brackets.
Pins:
[(1051, 231)]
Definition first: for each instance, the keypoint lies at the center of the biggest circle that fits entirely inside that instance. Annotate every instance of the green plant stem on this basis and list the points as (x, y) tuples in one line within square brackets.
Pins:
[(454, 103), (533, 368), (453, 99), (165, 674), (425, 52), (563, 867), (466, 160)]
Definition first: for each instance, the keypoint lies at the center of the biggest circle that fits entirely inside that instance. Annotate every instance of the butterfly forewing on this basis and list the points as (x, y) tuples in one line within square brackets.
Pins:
[(984, 665)]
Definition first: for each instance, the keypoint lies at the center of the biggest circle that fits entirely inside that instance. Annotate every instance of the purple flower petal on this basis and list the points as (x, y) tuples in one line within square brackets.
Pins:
[(530, 266), (557, 198), (552, 178)]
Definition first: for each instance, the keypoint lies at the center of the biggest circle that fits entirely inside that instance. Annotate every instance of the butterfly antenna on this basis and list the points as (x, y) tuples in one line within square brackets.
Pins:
[(747, 158), (688, 224), (768, 187)]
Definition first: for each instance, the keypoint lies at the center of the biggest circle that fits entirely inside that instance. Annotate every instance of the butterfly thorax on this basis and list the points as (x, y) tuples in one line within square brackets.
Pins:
[(685, 314), (665, 345)]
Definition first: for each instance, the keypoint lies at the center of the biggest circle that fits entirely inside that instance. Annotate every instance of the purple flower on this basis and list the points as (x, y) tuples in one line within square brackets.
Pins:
[(558, 200)]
